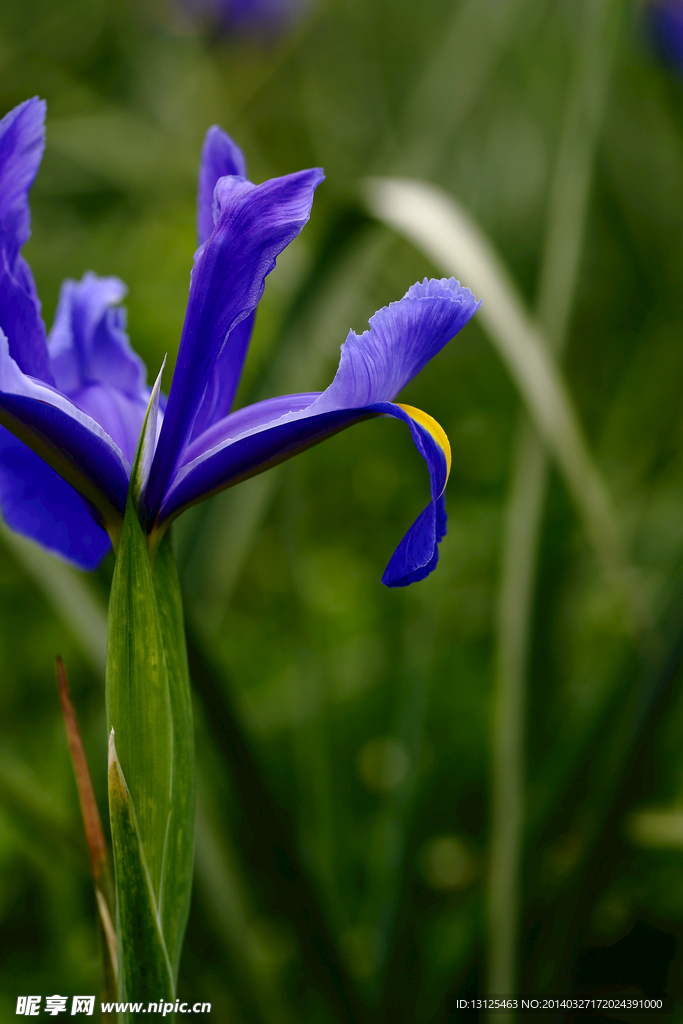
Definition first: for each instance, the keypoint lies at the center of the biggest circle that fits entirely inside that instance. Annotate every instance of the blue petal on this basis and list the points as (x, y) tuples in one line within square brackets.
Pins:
[(666, 23), (403, 337), (373, 367), (255, 223), (265, 434), (93, 362), (418, 553), (22, 141), (20, 318), (68, 439), (221, 156), (39, 504), (222, 387), (88, 342)]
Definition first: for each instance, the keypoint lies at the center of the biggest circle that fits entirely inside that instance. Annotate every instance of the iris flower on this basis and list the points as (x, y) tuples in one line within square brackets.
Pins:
[(666, 25), (248, 17), (72, 402)]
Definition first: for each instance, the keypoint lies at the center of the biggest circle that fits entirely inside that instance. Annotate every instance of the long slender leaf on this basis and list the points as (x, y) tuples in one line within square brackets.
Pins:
[(76, 603), (137, 692), (144, 968), (569, 196), (176, 883)]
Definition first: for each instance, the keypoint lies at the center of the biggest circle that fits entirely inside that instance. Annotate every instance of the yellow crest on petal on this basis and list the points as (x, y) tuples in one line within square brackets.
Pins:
[(433, 428)]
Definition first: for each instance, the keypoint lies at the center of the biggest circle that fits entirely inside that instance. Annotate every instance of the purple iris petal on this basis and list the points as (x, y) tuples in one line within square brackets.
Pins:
[(92, 361), (39, 504), (71, 441), (254, 224), (373, 368), (22, 139), (221, 156), (253, 17), (666, 24), (74, 406), (403, 337), (270, 432), (257, 448), (20, 318), (222, 387)]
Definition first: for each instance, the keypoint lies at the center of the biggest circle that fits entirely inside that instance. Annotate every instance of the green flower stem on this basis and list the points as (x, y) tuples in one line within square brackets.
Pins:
[(560, 266)]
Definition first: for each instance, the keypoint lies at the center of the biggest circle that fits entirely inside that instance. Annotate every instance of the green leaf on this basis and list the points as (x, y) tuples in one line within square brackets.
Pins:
[(144, 969), (178, 862), (137, 694), (149, 708)]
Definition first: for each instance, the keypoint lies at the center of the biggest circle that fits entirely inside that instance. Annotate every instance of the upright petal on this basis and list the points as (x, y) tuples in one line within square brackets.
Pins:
[(222, 387), (22, 141), (401, 339), (20, 317), (254, 224), (221, 156), (39, 504), (88, 342), (93, 362)]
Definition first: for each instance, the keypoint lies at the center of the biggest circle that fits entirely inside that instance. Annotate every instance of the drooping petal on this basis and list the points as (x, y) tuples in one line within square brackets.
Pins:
[(418, 553), (254, 224), (22, 141), (250, 441), (69, 440), (373, 367), (270, 432), (221, 156), (39, 504)]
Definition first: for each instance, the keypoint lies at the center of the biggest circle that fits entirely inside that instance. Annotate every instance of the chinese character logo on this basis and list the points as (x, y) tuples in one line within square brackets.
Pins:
[(83, 1004), (55, 1004), (28, 1006)]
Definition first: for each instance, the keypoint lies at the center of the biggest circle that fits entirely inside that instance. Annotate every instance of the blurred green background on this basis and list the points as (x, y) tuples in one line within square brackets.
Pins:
[(344, 730)]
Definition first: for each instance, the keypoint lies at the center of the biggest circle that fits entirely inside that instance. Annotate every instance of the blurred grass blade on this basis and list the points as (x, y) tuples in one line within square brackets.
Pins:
[(523, 520), (472, 42), (144, 969), (72, 598), (569, 195), (442, 229), (176, 883), (97, 847)]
